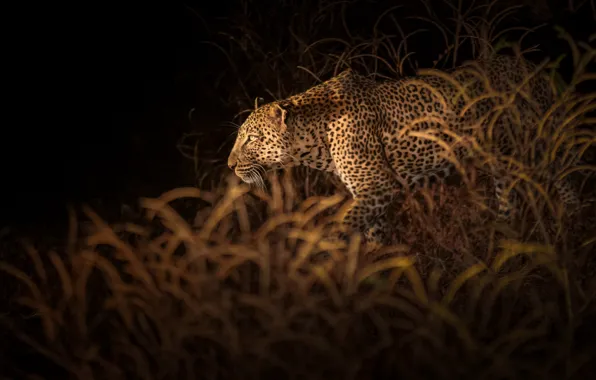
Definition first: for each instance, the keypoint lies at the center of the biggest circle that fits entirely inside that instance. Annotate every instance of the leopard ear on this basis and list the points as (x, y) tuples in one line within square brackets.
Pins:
[(278, 114), (258, 101)]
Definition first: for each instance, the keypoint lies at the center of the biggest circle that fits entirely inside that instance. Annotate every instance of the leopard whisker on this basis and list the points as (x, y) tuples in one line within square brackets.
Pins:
[(258, 179)]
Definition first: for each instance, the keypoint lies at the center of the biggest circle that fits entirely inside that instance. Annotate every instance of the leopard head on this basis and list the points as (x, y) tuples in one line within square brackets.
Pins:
[(263, 143)]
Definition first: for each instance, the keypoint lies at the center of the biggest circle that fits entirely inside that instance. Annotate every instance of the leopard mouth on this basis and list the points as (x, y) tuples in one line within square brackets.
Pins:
[(250, 175), (246, 179)]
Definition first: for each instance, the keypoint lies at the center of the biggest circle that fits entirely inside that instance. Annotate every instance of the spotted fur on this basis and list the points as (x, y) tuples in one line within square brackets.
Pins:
[(366, 132)]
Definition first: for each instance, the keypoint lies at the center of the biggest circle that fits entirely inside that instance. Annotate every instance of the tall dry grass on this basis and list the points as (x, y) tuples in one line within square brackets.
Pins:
[(252, 289), (224, 281)]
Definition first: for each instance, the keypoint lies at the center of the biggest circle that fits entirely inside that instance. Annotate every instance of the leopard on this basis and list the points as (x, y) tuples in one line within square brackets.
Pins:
[(383, 136)]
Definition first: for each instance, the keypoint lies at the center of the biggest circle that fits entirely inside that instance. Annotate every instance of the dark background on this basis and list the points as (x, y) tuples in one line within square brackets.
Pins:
[(104, 106), (103, 92)]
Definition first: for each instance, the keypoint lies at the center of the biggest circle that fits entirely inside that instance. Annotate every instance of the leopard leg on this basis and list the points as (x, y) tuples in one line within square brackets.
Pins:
[(505, 199), (568, 195), (368, 216), (368, 213)]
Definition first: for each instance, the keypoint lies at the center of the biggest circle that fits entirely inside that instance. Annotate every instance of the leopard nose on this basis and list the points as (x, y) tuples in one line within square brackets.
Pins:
[(232, 160)]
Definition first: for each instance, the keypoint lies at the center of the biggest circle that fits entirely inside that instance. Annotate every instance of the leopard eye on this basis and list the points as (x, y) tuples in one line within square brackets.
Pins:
[(253, 138)]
